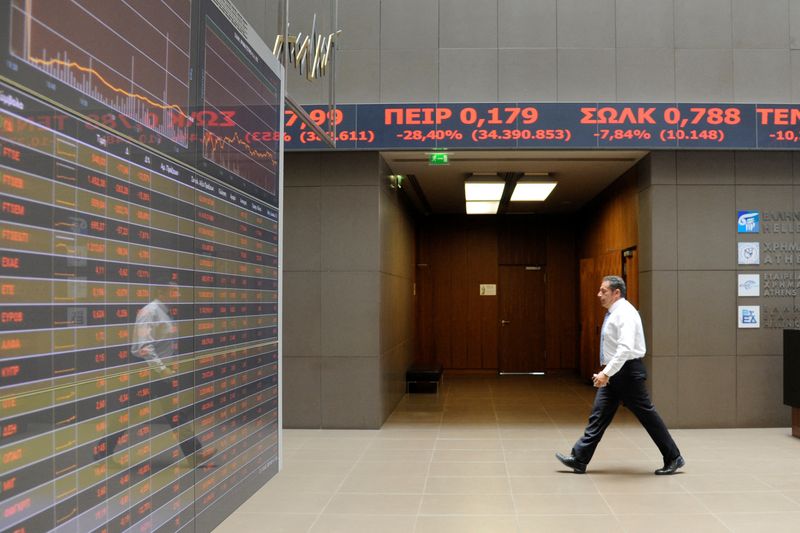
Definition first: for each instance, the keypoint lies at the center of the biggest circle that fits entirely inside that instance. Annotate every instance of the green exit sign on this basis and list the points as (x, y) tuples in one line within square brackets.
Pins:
[(438, 159)]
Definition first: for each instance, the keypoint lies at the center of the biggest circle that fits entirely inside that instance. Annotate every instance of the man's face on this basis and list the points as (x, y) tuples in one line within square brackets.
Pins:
[(607, 296)]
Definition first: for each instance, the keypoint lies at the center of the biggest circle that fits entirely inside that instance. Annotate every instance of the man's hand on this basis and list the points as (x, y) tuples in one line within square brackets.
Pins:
[(146, 351), (599, 380)]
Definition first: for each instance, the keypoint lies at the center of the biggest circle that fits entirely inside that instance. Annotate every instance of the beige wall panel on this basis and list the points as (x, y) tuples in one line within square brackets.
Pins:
[(663, 377), (349, 395), (759, 403), (350, 237), (763, 168), (301, 392), (707, 391), (350, 314), (301, 314), (706, 237), (663, 340), (706, 313)]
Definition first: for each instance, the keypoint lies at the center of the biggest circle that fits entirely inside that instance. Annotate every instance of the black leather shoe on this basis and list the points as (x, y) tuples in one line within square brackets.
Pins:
[(570, 462), (671, 467)]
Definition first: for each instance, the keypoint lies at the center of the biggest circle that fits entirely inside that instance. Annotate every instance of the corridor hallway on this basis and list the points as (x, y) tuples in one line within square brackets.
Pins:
[(479, 458)]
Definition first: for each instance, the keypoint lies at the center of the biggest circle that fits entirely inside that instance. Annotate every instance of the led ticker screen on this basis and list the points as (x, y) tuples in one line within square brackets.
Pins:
[(649, 126), (138, 293)]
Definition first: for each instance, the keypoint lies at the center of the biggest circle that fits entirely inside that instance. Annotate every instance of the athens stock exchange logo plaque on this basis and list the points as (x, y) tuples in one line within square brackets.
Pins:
[(749, 316), (749, 253), (749, 285), (127, 190), (768, 269)]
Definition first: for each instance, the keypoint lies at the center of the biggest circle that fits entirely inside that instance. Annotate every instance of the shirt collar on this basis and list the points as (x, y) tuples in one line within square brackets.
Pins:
[(615, 305)]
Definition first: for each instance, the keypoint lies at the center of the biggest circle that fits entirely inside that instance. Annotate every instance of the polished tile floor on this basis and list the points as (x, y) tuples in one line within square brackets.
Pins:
[(479, 458)]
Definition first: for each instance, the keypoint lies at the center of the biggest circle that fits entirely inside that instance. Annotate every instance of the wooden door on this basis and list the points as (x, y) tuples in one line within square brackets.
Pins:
[(521, 341), (588, 317), (593, 270)]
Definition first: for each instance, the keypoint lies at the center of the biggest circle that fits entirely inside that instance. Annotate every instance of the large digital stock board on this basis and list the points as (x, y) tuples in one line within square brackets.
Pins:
[(139, 239)]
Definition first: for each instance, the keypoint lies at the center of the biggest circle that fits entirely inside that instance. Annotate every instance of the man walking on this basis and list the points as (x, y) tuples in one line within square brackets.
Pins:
[(622, 379), (155, 341)]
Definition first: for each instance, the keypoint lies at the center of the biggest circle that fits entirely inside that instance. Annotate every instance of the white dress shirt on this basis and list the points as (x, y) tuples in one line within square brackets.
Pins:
[(623, 337), (154, 334)]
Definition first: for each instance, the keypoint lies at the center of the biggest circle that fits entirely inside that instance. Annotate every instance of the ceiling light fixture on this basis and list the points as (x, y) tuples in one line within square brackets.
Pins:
[(484, 187), (482, 208), (531, 188), (474, 191)]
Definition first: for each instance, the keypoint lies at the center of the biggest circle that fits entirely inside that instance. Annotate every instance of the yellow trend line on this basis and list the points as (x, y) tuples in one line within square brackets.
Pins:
[(216, 142), (73, 64)]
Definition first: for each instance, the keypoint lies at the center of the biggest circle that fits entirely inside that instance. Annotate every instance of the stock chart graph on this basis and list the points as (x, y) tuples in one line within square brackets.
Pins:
[(131, 61), (240, 110)]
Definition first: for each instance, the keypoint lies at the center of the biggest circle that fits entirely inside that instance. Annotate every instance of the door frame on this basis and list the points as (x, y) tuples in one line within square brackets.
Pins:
[(534, 360)]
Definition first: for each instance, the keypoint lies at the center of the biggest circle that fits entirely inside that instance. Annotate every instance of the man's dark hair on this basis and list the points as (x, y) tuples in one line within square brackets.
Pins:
[(616, 282)]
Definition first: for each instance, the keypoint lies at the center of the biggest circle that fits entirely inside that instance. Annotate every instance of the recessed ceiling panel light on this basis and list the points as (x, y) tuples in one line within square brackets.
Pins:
[(483, 190), (482, 208), (529, 191)]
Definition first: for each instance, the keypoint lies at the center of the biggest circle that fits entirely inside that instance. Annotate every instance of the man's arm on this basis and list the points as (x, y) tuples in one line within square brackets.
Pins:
[(626, 340)]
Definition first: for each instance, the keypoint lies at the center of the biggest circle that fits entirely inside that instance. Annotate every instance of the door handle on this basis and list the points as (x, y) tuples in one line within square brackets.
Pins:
[(504, 322)]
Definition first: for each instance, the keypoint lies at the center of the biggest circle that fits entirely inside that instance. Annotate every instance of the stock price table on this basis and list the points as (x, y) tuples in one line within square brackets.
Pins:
[(95, 233)]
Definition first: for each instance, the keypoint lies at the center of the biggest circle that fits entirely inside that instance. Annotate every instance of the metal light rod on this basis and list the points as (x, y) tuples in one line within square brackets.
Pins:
[(302, 115)]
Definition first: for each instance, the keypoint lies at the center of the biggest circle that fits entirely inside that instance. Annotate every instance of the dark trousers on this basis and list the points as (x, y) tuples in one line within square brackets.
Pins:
[(626, 386), (161, 388)]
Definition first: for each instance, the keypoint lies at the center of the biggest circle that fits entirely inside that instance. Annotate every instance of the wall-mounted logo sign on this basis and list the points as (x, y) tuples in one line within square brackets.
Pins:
[(747, 222), (749, 285), (749, 253), (749, 316)]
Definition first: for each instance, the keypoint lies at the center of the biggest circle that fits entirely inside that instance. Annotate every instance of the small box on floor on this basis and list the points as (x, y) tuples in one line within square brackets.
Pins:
[(424, 378), (425, 387)]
